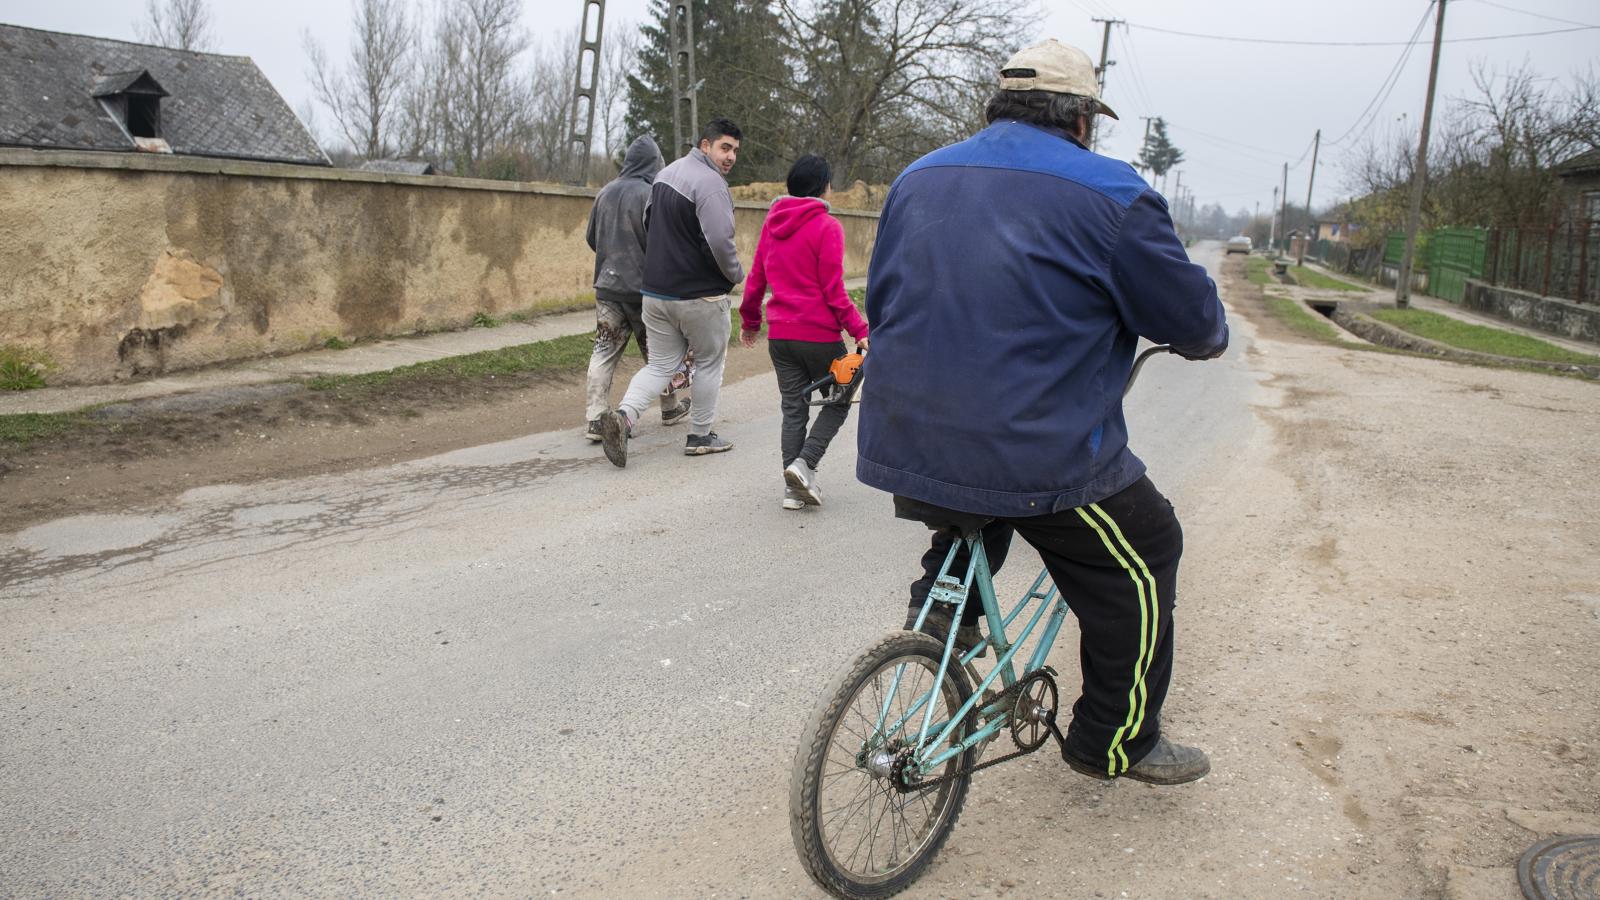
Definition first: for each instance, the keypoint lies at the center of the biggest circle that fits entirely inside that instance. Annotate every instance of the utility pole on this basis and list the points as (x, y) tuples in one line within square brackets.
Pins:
[(1272, 230), (1146, 142), (1402, 288), (1284, 211), (582, 142), (685, 99), (1100, 73), (1316, 144), (1177, 191)]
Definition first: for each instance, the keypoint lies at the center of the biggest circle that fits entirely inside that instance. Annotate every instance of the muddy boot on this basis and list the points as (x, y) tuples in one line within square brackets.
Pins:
[(1167, 763), (937, 626)]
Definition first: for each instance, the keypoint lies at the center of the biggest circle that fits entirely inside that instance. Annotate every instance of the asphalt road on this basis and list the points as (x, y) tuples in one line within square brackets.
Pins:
[(507, 670)]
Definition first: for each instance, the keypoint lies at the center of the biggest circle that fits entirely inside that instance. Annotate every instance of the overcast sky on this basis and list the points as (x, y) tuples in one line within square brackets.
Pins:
[(1238, 110)]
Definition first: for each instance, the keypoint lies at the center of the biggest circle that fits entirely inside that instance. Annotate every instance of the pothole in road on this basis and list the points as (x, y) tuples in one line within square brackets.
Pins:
[(88, 535)]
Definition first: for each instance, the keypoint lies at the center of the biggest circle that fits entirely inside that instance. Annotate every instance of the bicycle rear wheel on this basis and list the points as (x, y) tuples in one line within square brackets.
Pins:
[(857, 833)]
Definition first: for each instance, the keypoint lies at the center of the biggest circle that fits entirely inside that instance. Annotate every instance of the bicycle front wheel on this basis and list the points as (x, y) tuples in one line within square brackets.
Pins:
[(858, 834)]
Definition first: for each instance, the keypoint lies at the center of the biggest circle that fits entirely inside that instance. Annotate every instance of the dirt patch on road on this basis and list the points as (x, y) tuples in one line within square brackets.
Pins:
[(152, 450), (1249, 300)]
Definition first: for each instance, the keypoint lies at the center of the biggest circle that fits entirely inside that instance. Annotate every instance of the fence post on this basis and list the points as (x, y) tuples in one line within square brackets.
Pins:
[(1491, 268), (1582, 293), (1549, 258), (1516, 255)]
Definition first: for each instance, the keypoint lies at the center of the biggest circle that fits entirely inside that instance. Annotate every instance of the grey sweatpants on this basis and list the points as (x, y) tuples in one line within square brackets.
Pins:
[(615, 322), (674, 328)]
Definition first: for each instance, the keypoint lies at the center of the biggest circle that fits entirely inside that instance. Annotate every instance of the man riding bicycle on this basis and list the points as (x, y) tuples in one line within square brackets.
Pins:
[(1013, 276)]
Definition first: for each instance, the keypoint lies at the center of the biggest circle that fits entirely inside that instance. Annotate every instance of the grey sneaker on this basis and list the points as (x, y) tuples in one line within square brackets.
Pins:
[(594, 432), (676, 414), (791, 499), (701, 444), (614, 433), (803, 479), (1167, 763)]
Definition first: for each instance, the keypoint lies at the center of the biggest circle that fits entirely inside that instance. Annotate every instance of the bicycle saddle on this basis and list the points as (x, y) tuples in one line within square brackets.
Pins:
[(953, 522)]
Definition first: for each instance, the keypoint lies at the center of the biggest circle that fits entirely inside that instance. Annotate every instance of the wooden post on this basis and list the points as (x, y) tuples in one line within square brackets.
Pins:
[(1419, 174)]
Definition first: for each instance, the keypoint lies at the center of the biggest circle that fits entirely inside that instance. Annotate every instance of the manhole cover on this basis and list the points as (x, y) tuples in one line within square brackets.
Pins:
[(1562, 868)]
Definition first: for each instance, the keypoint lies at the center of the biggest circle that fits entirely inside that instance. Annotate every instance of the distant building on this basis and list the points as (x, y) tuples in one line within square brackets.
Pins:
[(1580, 178), (74, 92), (1335, 225), (398, 166)]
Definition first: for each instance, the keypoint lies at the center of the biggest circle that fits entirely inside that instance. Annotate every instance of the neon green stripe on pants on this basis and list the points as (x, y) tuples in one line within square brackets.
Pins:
[(1155, 615), (1116, 758)]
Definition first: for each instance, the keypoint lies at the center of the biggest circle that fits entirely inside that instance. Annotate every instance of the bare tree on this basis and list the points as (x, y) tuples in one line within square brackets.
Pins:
[(547, 118), (180, 24), (863, 64), (480, 99), (365, 98), (619, 58), (1491, 162)]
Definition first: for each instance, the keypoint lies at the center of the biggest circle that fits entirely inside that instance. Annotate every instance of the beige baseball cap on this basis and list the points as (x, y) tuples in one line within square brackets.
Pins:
[(1055, 67)]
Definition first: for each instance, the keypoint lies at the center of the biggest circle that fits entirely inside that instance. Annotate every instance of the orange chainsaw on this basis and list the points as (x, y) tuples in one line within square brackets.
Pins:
[(839, 386)]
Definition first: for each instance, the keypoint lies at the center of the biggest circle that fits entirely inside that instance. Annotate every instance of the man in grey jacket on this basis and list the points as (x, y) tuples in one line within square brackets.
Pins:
[(616, 235), (690, 266)]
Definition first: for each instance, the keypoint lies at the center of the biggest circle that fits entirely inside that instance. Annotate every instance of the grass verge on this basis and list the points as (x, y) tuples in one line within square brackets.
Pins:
[(1311, 278), (1300, 320), (1255, 270), (1483, 339), (562, 354), (22, 429)]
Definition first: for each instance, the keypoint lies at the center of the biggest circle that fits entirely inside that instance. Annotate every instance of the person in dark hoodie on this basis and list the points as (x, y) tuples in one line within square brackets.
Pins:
[(616, 235), (800, 255)]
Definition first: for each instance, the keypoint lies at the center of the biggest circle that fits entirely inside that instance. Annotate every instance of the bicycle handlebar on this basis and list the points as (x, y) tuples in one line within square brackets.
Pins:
[(1139, 362)]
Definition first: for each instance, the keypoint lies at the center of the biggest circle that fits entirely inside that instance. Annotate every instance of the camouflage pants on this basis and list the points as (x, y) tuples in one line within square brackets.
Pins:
[(615, 322)]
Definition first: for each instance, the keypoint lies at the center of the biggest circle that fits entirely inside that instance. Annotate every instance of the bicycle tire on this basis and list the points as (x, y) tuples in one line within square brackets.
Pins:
[(807, 822)]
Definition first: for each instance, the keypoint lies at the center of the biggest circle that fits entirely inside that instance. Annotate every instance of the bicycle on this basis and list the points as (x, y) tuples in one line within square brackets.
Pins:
[(895, 754)]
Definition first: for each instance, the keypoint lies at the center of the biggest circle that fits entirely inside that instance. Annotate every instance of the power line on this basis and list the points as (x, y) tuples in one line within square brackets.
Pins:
[(1303, 155), (1274, 155), (1137, 71), (1254, 40), (1389, 82), (1529, 12)]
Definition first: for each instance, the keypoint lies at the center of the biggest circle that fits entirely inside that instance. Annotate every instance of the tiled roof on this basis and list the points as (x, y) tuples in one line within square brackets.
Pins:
[(214, 105), (398, 166), (1583, 162)]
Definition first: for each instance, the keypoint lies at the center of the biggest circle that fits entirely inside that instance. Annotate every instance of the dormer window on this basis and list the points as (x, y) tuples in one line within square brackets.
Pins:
[(134, 100), (144, 116)]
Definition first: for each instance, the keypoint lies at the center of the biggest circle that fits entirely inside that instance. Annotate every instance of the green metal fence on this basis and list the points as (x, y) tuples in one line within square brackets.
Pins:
[(1445, 257), (1454, 255)]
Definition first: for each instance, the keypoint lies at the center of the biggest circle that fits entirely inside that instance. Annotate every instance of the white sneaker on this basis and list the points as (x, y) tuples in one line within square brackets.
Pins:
[(803, 480), (791, 499)]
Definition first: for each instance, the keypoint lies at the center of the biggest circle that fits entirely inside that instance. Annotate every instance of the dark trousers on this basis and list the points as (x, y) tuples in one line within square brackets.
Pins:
[(797, 364), (1116, 564)]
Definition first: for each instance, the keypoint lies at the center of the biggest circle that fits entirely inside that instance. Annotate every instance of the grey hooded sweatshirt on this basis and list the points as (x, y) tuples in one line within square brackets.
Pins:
[(616, 224)]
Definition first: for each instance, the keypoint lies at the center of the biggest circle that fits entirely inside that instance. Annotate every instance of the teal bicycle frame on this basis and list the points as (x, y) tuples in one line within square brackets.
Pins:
[(946, 589)]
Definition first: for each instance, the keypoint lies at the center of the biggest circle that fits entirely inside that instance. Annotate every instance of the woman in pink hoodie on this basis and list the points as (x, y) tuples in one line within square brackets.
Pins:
[(801, 257)]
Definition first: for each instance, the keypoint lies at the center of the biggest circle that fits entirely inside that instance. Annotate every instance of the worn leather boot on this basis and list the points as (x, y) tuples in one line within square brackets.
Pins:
[(1167, 763), (937, 626)]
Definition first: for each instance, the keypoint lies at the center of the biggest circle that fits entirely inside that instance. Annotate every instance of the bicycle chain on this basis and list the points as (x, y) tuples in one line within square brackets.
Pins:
[(1009, 692)]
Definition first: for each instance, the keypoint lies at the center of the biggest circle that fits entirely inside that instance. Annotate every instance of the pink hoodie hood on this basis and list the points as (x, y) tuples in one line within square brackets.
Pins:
[(788, 214)]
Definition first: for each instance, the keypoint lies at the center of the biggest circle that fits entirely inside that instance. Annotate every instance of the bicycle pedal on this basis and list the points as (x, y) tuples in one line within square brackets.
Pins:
[(947, 590)]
